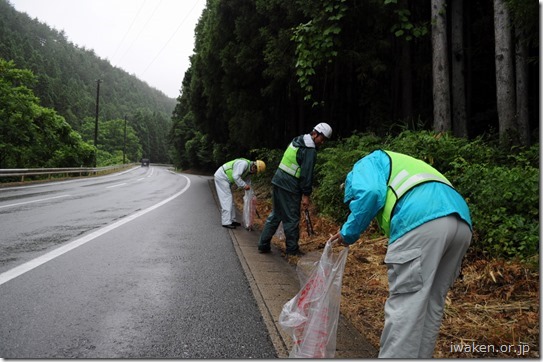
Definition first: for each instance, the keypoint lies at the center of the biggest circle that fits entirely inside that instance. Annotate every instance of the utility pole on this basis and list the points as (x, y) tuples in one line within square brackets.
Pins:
[(98, 81)]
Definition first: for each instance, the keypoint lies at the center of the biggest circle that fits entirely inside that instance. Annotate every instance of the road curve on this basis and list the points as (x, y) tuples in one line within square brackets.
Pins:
[(165, 282)]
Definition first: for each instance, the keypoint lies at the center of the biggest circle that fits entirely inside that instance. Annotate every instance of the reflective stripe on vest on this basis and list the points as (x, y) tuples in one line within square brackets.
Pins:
[(406, 172), (289, 164), (229, 167)]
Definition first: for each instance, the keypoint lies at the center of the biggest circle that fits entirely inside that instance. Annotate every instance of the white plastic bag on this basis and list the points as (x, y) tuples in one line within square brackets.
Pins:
[(311, 317), (280, 232), (249, 209)]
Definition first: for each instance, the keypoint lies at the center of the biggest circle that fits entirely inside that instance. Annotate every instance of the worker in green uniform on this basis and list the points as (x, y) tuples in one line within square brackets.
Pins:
[(292, 186)]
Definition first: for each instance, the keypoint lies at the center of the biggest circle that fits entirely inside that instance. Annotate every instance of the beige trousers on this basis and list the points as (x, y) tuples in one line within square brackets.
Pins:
[(422, 266)]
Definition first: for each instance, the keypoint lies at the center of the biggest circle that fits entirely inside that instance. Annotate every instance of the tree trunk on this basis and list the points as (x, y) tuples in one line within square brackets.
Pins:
[(458, 82), (407, 82), (440, 67), (468, 55), (505, 83), (523, 115)]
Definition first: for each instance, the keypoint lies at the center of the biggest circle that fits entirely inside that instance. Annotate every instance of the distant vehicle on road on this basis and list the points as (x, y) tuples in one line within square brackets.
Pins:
[(145, 162)]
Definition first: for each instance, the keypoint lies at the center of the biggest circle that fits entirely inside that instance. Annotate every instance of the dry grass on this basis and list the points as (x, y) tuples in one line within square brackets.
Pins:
[(495, 303)]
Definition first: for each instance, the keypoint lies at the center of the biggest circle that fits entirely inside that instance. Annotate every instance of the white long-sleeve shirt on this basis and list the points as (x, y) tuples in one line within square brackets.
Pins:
[(238, 169)]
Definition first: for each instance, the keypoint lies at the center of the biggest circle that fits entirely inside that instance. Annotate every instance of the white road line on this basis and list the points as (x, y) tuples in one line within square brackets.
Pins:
[(23, 268), (117, 185), (30, 202)]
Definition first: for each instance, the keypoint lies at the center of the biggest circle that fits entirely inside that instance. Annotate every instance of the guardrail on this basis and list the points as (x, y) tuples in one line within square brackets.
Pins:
[(81, 171)]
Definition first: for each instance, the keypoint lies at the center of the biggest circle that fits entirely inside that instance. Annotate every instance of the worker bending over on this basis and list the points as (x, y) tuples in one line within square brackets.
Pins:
[(237, 172), (429, 228)]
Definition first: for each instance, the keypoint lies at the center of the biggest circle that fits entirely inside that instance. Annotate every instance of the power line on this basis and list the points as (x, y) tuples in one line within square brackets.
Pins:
[(141, 30), (171, 37), (129, 28)]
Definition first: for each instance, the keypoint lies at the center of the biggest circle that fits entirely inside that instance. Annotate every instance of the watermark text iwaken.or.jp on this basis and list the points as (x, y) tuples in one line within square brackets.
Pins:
[(520, 349)]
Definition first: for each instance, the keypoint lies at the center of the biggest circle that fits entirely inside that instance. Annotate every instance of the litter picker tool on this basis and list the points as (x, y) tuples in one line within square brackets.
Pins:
[(308, 223)]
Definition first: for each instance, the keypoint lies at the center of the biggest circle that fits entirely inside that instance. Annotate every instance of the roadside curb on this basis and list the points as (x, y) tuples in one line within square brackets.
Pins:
[(267, 306)]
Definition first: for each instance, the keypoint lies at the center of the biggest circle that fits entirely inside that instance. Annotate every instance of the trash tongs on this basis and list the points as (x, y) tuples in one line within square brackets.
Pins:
[(308, 223)]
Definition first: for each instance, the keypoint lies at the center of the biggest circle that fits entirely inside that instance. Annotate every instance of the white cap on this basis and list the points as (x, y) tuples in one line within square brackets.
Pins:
[(325, 129)]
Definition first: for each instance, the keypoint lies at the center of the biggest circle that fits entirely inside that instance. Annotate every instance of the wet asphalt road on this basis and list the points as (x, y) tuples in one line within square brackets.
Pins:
[(135, 280)]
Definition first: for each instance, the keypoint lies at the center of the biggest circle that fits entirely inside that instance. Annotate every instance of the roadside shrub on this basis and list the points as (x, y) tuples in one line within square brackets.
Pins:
[(271, 157), (104, 158), (219, 155), (504, 205), (333, 164), (436, 149), (500, 186)]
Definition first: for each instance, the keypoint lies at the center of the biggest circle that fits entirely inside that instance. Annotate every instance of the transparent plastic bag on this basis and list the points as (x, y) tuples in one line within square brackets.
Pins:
[(249, 209), (311, 317), (280, 232)]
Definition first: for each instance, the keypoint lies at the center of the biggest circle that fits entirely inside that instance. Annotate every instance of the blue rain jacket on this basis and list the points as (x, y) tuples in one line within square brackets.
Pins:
[(365, 194)]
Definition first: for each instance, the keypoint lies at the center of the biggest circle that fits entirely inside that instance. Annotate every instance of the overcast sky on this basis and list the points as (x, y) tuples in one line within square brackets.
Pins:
[(151, 39)]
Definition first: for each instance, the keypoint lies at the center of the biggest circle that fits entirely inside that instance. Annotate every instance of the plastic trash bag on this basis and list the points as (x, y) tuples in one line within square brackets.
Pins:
[(280, 232), (249, 209), (311, 317)]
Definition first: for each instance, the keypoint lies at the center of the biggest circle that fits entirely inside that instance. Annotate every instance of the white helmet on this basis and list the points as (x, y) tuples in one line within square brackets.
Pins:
[(325, 129)]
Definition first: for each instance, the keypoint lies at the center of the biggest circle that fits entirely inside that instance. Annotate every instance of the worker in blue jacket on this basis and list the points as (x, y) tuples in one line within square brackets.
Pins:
[(429, 228), (292, 187)]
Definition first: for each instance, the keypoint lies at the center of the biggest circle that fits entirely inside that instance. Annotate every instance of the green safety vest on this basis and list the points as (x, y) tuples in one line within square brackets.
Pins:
[(406, 172), (289, 164), (229, 167)]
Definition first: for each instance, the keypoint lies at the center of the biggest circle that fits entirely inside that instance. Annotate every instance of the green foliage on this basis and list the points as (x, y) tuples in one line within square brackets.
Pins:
[(104, 158), (500, 186), (433, 148), (200, 151), (504, 202), (333, 164), (65, 80), (111, 141), (219, 154), (182, 131), (272, 158), (34, 136), (255, 61), (405, 28), (315, 41), (523, 12)]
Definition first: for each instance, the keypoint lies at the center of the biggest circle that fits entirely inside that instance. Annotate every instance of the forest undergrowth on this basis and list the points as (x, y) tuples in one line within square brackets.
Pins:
[(492, 311)]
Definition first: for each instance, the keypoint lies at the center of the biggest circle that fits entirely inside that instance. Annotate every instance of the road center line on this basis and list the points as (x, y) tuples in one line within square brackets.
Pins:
[(30, 202), (23, 268)]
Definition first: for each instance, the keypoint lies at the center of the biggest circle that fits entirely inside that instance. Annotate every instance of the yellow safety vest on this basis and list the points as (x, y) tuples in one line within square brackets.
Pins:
[(229, 166), (406, 172), (289, 164)]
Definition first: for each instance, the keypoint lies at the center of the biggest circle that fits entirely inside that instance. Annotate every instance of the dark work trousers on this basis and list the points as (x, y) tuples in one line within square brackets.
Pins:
[(286, 208)]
